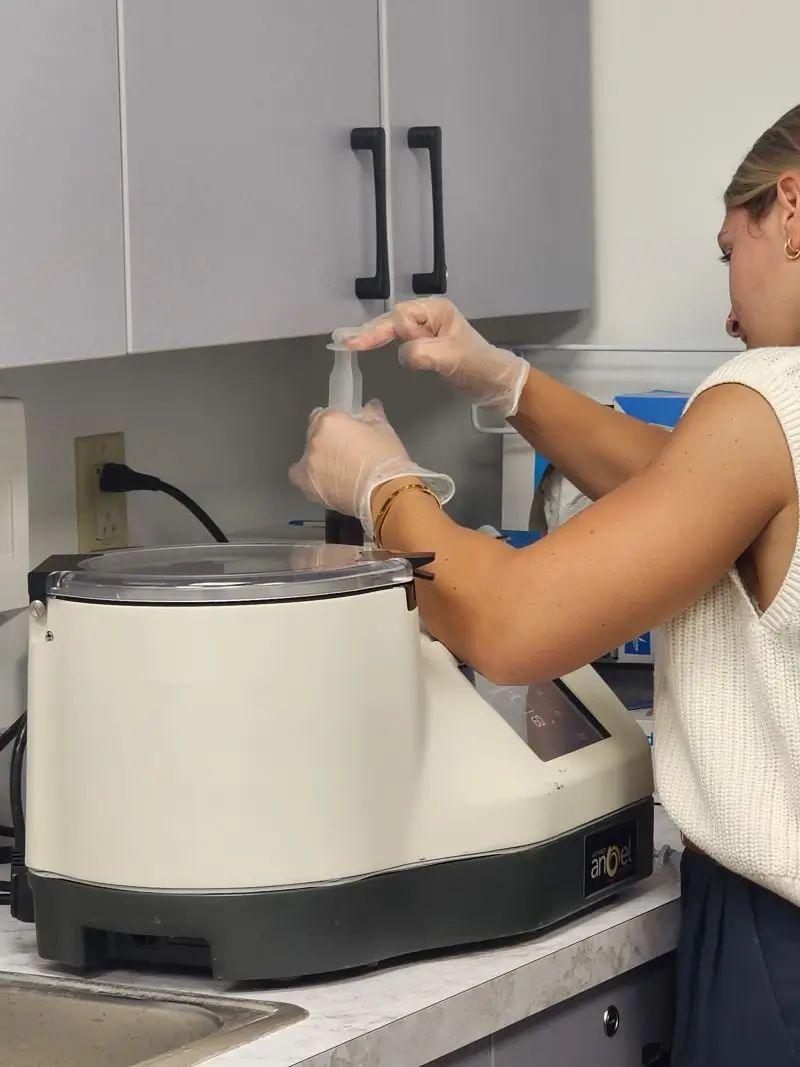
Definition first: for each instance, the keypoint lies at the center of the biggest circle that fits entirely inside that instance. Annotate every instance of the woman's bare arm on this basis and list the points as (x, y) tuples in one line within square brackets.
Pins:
[(595, 447), (626, 564)]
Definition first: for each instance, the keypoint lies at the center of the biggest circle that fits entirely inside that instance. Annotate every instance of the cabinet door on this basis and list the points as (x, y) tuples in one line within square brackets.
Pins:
[(62, 280), (508, 82), (606, 1027), (249, 215)]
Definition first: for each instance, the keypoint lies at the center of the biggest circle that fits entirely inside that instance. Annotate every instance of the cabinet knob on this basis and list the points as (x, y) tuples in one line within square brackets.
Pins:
[(610, 1021)]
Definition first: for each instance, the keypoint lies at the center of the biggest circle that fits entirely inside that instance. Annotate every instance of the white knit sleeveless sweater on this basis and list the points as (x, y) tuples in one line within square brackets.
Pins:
[(727, 696)]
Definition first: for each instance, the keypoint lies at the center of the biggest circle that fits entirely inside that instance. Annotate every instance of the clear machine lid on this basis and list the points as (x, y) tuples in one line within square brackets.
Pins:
[(230, 573)]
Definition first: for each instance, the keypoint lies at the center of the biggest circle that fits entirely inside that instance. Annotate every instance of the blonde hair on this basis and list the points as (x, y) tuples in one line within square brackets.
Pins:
[(754, 185)]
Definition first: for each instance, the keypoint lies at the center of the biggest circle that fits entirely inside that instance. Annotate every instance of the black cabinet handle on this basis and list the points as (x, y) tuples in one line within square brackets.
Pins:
[(430, 139), (373, 139)]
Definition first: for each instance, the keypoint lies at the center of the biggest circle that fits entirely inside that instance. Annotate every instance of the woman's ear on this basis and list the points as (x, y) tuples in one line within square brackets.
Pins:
[(788, 197)]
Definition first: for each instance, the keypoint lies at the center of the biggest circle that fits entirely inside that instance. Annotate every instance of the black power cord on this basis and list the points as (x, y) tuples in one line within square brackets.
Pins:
[(6, 737), (120, 478), (17, 759), (20, 896), (12, 733)]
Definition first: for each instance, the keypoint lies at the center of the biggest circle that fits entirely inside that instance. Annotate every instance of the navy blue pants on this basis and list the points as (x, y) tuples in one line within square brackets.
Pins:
[(738, 972)]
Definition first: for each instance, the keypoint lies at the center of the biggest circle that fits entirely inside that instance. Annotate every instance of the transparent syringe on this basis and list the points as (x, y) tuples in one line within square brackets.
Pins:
[(344, 394), (344, 385)]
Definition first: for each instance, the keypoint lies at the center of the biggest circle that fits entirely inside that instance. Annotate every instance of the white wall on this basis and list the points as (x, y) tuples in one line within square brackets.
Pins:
[(681, 90)]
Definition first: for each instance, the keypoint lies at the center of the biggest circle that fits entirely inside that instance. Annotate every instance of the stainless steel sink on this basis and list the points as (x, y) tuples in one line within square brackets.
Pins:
[(57, 1023)]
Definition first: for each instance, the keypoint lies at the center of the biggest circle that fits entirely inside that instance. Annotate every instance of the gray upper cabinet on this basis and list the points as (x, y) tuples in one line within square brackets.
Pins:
[(184, 173), (62, 282), (508, 84), (249, 215)]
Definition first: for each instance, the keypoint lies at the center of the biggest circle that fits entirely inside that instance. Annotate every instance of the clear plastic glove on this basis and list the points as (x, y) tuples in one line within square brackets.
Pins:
[(348, 456), (437, 337)]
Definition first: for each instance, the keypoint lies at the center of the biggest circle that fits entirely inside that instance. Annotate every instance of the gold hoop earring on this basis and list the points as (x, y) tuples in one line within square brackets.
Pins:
[(790, 250)]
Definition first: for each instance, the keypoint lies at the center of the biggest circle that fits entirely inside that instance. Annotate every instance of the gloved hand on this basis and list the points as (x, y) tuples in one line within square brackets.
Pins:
[(348, 456), (438, 337)]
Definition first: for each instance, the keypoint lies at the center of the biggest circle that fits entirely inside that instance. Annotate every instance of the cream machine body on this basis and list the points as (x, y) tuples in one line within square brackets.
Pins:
[(250, 756)]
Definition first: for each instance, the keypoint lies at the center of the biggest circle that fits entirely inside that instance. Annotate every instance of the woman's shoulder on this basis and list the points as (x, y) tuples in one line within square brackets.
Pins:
[(762, 369), (771, 373)]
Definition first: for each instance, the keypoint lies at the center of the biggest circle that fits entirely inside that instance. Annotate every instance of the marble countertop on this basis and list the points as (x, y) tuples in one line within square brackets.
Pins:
[(410, 1014)]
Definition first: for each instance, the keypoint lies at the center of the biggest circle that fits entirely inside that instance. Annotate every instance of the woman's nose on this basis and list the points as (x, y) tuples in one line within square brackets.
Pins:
[(732, 327)]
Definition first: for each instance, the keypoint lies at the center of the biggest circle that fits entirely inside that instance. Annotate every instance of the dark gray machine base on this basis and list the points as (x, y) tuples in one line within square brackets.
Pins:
[(285, 934)]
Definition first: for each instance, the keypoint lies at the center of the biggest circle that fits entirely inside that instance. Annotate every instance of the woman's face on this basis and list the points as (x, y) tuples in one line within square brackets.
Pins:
[(764, 282)]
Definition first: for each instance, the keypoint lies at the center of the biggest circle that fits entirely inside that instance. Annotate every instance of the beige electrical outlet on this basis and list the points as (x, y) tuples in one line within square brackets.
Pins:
[(102, 517)]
